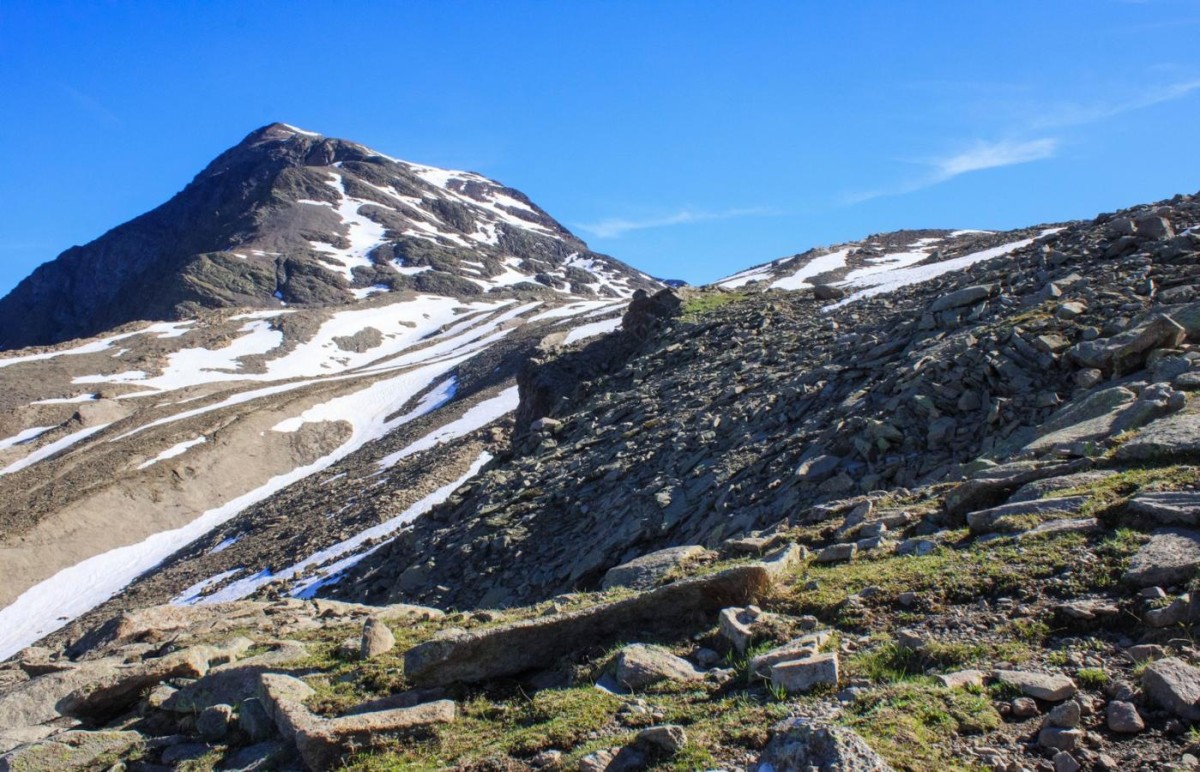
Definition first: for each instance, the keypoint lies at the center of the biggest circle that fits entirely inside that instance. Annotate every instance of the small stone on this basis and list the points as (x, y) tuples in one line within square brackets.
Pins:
[(907, 599), (1123, 718), (669, 737), (1059, 738), (377, 639), (1067, 715), (836, 553), (1065, 762), (1145, 651), (1024, 707)]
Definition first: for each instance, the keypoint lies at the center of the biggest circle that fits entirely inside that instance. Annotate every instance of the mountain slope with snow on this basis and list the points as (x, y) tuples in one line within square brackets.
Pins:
[(289, 216)]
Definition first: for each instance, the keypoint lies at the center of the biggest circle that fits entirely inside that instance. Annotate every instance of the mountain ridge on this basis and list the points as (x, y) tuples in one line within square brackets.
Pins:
[(293, 216)]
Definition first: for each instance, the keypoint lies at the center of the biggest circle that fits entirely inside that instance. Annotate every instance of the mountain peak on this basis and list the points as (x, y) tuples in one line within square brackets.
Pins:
[(294, 216)]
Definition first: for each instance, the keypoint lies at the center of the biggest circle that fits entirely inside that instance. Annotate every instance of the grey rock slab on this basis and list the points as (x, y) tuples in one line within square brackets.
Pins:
[(801, 744), (667, 737), (35, 701), (989, 486), (837, 553), (1168, 507), (961, 679), (801, 675), (985, 520), (514, 648), (799, 648), (648, 570), (1170, 557), (963, 297), (639, 665), (1174, 435), (1042, 686), (70, 750), (1042, 488), (324, 742), (114, 693), (1174, 685)]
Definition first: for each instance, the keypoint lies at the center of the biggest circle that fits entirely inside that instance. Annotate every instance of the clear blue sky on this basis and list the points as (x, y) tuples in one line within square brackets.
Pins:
[(689, 139)]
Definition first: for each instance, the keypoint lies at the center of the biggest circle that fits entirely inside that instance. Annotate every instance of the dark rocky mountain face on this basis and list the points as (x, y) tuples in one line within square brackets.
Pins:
[(291, 216)]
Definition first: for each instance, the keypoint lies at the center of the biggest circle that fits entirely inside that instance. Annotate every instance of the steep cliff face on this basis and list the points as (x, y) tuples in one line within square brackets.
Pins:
[(290, 216)]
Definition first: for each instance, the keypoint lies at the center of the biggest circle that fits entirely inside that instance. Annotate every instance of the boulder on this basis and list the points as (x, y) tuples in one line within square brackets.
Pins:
[(514, 648), (639, 665), (961, 679), (801, 675), (1122, 718), (1051, 688), (1170, 557), (213, 722), (648, 570), (668, 737), (1174, 435), (989, 486), (1174, 685), (116, 692), (800, 744), (966, 296), (377, 639), (800, 648)]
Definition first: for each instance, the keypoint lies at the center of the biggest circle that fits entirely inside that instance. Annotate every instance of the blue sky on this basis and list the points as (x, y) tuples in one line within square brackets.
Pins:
[(689, 139)]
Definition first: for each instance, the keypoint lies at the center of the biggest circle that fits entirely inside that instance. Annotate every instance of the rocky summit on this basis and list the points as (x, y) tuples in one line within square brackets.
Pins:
[(397, 474)]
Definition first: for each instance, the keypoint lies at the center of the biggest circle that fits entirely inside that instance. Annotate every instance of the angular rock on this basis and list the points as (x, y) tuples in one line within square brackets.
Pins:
[(1174, 685), (520, 646), (799, 744), (985, 520), (1170, 557), (801, 675), (668, 737), (964, 297), (1042, 686), (739, 626), (1058, 738), (639, 665), (800, 648), (837, 553), (377, 639), (118, 691), (1066, 716), (648, 570), (1122, 717), (986, 488)]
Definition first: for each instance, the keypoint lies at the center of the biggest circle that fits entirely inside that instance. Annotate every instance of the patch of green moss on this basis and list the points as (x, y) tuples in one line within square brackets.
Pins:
[(911, 724)]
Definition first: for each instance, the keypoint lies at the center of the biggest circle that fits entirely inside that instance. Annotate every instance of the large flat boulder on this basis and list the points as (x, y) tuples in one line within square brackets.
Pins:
[(70, 750), (1168, 507), (1175, 435), (515, 648), (1170, 557), (324, 742), (648, 570), (987, 520), (639, 665), (990, 486)]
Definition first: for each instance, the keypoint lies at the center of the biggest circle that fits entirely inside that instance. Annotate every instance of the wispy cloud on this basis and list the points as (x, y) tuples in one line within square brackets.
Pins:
[(1078, 114), (979, 156), (615, 227), (992, 155), (91, 105)]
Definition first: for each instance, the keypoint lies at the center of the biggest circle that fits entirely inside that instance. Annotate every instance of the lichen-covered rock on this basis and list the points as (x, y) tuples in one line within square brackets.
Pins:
[(798, 744)]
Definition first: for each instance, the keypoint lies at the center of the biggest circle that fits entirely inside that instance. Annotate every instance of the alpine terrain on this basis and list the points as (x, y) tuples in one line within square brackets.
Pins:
[(339, 461)]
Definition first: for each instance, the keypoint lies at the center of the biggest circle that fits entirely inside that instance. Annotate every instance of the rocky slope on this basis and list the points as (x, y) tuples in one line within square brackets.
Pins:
[(289, 215), (931, 504), (115, 452)]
